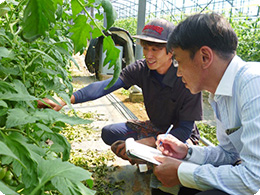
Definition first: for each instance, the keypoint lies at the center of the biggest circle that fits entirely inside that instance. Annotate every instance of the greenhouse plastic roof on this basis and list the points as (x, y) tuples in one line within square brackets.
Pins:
[(129, 8)]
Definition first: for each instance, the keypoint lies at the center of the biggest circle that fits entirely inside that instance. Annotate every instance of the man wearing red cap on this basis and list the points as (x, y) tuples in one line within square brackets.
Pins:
[(166, 99)]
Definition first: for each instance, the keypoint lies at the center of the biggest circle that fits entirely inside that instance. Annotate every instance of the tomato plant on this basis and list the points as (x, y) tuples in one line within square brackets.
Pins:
[(248, 31), (129, 24), (37, 40)]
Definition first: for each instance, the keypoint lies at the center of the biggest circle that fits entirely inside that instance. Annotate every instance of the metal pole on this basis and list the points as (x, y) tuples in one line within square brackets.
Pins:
[(92, 15), (105, 20), (140, 25)]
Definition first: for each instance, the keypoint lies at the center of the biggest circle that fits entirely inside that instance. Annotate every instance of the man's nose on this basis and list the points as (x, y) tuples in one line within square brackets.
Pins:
[(149, 54)]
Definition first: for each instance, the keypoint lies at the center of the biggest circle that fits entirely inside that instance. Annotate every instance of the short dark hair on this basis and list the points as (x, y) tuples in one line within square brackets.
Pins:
[(198, 30), (149, 43), (159, 45)]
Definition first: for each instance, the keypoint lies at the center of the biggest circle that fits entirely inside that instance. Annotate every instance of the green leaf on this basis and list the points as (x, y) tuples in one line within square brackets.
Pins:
[(76, 7), (62, 72), (62, 48), (59, 12), (21, 89), (81, 32), (38, 14), (60, 144), (18, 144), (46, 56), (99, 16), (16, 97), (112, 57), (6, 151), (58, 2), (66, 98), (67, 187), (112, 53), (18, 117), (10, 70), (3, 8), (57, 55), (49, 169), (96, 33), (44, 127), (46, 70), (117, 70), (3, 111), (21, 95), (6, 190), (90, 183), (6, 53), (5, 86), (3, 104), (51, 116), (111, 14)]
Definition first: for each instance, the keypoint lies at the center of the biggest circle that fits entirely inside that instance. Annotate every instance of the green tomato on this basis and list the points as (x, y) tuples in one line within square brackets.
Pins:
[(3, 171), (8, 177)]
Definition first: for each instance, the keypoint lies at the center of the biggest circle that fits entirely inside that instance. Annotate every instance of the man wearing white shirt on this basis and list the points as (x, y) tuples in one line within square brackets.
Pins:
[(204, 45)]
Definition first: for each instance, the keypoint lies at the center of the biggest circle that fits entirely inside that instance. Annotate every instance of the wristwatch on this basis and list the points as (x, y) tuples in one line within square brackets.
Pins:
[(189, 153)]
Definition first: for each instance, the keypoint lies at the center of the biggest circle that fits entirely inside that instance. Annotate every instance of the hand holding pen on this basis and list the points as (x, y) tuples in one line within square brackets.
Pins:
[(167, 132), (172, 146)]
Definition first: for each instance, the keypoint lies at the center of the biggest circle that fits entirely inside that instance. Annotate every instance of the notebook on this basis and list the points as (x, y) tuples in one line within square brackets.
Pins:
[(142, 151)]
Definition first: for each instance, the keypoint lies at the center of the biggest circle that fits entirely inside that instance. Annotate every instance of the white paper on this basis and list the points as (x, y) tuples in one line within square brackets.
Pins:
[(142, 151)]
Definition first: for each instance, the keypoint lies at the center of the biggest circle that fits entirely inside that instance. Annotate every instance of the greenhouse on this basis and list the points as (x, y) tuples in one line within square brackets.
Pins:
[(175, 10), (159, 8), (129, 97)]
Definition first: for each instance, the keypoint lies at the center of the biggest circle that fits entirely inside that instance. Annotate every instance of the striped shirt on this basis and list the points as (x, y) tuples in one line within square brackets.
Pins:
[(236, 104)]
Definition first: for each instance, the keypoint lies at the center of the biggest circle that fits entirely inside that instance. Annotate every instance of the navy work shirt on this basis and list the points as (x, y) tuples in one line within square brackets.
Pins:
[(167, 101)]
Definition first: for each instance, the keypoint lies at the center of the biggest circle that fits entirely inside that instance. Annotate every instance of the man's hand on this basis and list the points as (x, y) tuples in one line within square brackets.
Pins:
[(52, 104), (171, 146), (167, 172)]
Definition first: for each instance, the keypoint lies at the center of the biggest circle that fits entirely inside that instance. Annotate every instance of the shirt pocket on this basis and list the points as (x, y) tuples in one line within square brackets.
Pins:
[(235, 137)]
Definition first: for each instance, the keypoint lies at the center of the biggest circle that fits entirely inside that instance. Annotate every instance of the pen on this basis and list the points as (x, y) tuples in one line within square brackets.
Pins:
[(167, 132)]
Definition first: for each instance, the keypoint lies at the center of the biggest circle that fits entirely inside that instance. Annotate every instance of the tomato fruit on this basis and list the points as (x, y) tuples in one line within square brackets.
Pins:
[(8, 177), (3, 171)]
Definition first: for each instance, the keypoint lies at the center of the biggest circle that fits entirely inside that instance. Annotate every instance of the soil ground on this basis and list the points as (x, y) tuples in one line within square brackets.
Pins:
[(137, 108)]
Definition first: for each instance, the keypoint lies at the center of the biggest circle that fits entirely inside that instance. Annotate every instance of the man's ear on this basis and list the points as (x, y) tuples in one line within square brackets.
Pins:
[(170, 53), (206, 56)]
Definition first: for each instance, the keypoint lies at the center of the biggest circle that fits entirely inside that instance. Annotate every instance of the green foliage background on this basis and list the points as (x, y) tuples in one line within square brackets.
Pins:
[(247, 30), (37, 40)]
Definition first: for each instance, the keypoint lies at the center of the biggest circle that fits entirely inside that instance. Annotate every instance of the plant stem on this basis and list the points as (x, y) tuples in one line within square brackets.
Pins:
[(19, 131), (90, 17), (13, 130), (39, 186)]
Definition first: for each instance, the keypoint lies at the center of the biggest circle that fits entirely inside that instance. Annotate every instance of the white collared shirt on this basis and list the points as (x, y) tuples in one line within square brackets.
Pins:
[(236, 104)]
